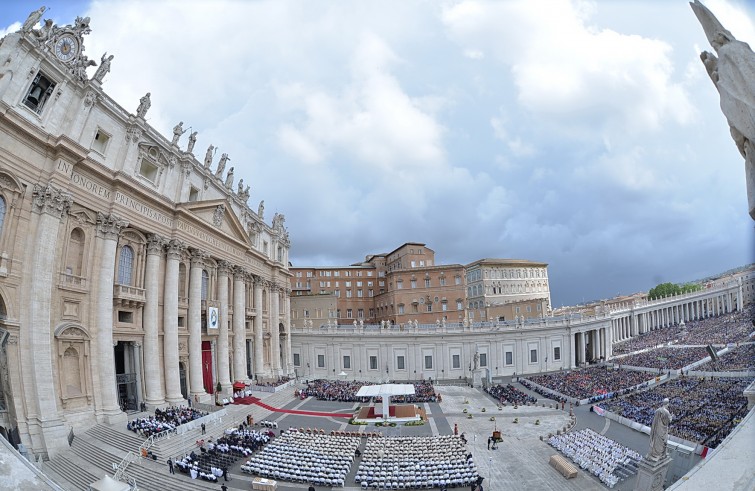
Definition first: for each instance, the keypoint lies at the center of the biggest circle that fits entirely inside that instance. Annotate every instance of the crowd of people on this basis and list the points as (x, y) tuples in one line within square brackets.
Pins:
[(739, 358), (704, 411), (510, 394), (668, 358), (586, 383), (346, 391), (164, 420), (734, 327), (601, 456)]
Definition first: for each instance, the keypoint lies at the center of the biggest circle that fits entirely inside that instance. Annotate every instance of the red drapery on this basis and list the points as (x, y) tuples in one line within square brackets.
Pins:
[(207, 367)]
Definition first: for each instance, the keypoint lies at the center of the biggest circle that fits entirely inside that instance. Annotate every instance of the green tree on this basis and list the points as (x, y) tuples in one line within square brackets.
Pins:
[(671, 289)]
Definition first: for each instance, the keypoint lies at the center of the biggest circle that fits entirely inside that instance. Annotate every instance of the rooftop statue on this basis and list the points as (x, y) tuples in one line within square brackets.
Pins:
[(659, 433), (33, 19), (221, 166), (178, 130), (192, 142), (104, 67), (144, 104), (733, 73), (208, 156)]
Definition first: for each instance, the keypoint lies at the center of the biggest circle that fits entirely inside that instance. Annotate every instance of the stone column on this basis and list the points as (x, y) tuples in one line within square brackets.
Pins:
[(289, 368), (582, 352), (224, 376), (258, 342), (136, 349), (239, 325), (108, 229), (274, 330), (195, 323), (154, 395), (572, 350), (174, 250), (46, 428)]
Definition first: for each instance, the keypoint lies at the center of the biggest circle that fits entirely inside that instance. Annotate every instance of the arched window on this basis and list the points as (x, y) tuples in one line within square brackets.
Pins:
[(2, 213), (75, 256), (205, 284), (126, 265)]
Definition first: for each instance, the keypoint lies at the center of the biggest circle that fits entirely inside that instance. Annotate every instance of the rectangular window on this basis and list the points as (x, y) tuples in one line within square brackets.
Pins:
[(348, 293), (509, 358), (533, 356), (125, 317), (400, 365), (348, 313), (348, 284), (529, 308), (427, 282), (306, 313), (517, 310), (336, 273), (346, 361), (373, 362), (414, 283), (320, 361), (457, 280), (401, 308), (415, 308), (399, 284), (428, 362), (360, 294), (459, 305), (297, 360), (429, 307), (456, 361), (444, 307), (100, 142), (360, 313), (557, 353), (442, 281), (309, 274), (414, 264), (371, 293), (359, 283), (338, 293), (483, 359)]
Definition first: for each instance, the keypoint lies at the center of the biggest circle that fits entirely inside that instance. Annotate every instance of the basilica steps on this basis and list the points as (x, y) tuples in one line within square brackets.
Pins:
[(125, 440), (68, 474)]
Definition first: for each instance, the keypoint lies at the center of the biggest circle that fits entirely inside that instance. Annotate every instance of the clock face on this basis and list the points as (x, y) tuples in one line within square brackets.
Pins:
[(66, 48)]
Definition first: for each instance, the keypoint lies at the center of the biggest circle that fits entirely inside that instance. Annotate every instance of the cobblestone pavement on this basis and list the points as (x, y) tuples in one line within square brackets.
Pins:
[(519, 463)]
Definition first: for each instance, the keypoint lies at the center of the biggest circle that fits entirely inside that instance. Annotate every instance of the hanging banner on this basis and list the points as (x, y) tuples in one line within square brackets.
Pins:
[(212, 317)]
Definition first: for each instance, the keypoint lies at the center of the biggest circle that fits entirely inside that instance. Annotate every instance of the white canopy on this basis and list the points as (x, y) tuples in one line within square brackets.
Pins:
[(107, 483), (384, 390)]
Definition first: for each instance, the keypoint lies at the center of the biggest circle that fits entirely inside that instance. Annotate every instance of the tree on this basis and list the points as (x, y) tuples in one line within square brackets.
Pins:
[(671, 289)]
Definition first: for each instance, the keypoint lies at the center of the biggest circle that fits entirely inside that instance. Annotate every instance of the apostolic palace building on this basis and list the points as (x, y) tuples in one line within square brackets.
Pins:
[(132, 269)]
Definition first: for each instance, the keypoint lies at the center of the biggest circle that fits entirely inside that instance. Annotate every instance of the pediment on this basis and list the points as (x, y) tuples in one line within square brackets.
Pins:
[(219, 215), (83, 216)]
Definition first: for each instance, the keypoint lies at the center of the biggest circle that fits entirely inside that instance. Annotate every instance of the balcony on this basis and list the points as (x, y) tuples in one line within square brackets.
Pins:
[(73, 282), (128, 296)]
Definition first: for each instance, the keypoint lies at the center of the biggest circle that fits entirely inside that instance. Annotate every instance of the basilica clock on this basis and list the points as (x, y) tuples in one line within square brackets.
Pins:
[(66, 47)]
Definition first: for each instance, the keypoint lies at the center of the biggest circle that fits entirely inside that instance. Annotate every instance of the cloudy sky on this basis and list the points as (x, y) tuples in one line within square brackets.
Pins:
[(583, 134)]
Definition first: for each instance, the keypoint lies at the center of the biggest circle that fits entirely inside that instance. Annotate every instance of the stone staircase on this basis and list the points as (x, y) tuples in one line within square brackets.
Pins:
[(93, 453)]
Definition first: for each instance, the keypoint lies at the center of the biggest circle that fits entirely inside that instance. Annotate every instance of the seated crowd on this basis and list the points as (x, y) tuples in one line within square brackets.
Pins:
[(594, 382), (603, 457), (164, 420), (216, 456), (416, 462), (739, 358), (509, 393), (704, 411), (727, 328), (306, 458), (669, 358), (345, 391)]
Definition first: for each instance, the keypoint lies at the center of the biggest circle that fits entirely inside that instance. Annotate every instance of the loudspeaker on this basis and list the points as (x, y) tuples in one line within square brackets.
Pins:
[(711, 353)]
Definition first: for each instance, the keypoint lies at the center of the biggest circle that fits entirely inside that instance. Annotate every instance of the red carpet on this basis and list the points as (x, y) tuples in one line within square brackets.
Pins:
[(254, 400)]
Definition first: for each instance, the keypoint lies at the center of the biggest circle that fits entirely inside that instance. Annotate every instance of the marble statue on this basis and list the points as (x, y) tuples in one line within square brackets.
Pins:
[(33, 19), (245, 195), (240, 190), (261, 210), (104, 67), (79, 69), (208, 157), (192, 142), (733, 74), (144, 104), (659, 432), (229, 179), (476, 361), (221, 165), (178, 130), (43, 34)]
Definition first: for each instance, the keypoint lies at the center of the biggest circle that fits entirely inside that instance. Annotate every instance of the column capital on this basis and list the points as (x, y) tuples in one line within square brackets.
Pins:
[(155, 244), (239, 273), (48, 199), (224, 267), (198, 257), (175, 248), (257, 280), (110, 226)]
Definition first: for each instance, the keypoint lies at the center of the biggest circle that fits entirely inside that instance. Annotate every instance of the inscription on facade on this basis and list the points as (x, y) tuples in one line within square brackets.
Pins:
[(82, 181)]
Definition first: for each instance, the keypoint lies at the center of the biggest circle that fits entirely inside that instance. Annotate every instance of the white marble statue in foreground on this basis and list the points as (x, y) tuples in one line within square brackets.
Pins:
[(733, 73), (659, 433)]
